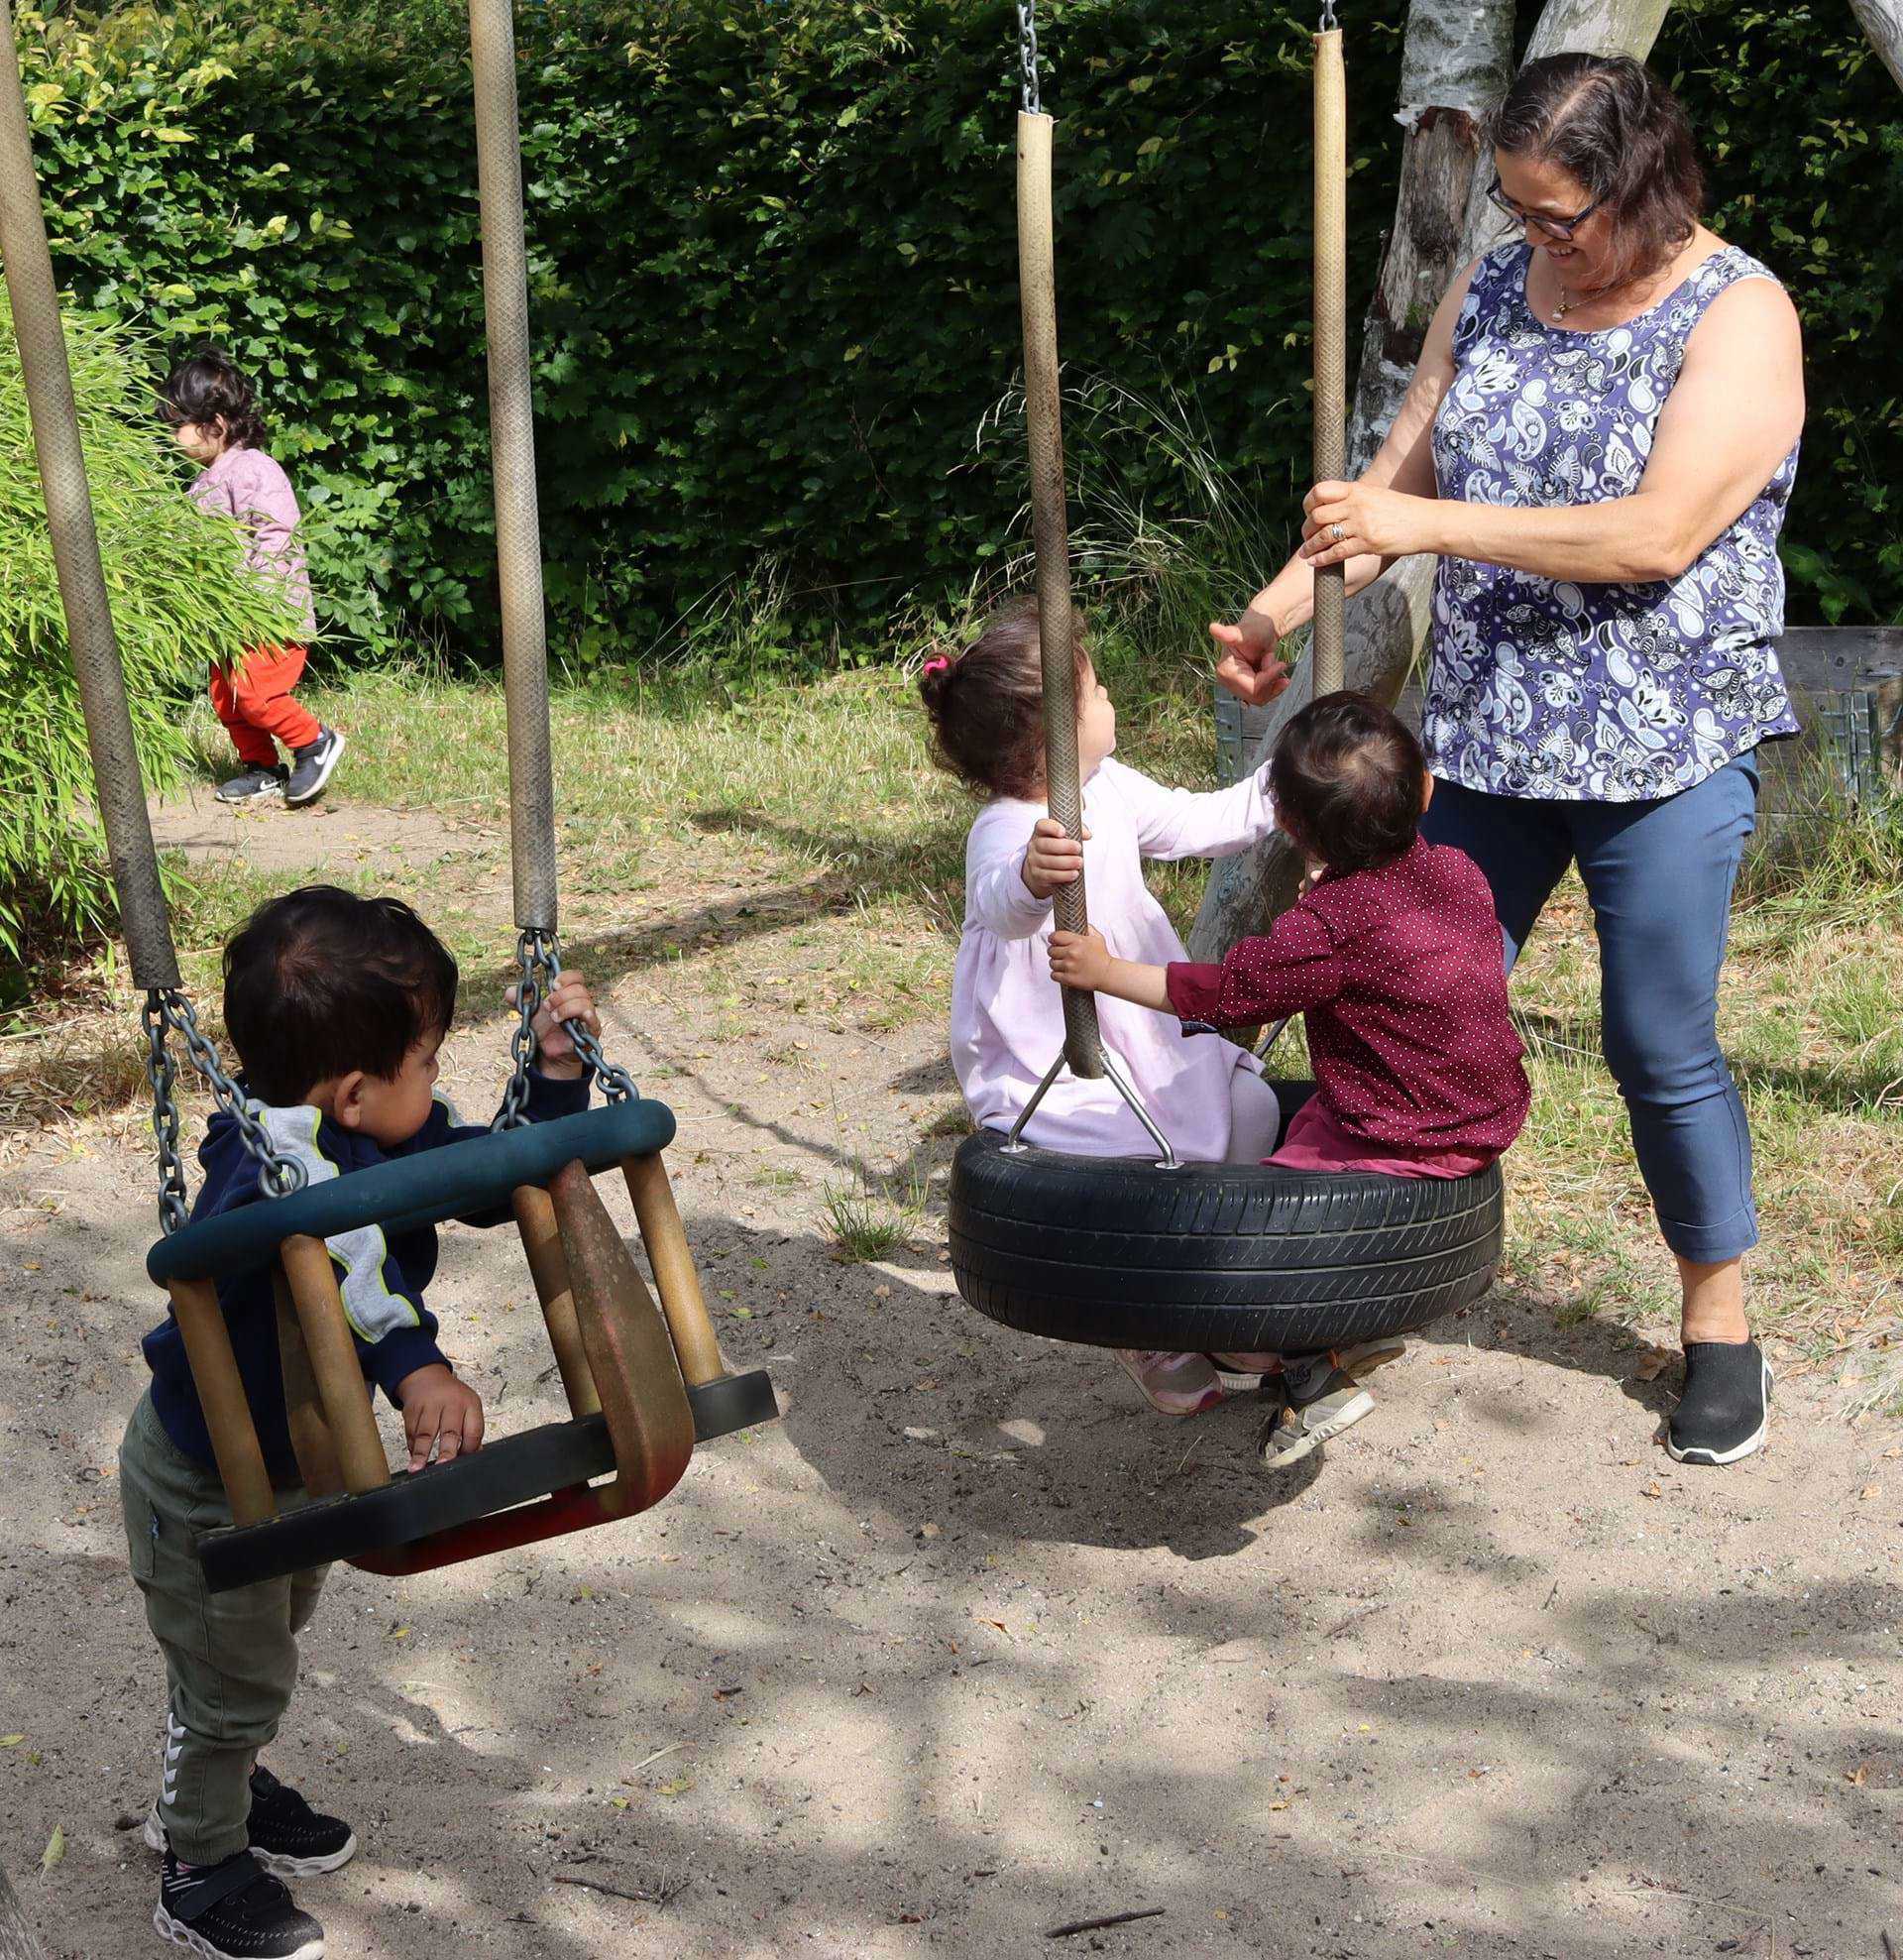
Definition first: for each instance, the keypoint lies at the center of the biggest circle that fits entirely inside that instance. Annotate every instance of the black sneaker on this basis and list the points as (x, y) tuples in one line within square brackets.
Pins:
[(1318, 1401), (1725, 1407), (289, 1838), (233, 1911), (313, 766), (254, 786)]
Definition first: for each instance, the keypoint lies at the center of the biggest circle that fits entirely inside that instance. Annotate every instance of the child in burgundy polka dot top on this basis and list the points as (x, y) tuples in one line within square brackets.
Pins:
[(1393, 956)]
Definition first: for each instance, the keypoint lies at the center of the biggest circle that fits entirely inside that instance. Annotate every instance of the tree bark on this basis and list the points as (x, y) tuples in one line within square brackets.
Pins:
[(1454, 71), (1883, 23), (16, 1936)]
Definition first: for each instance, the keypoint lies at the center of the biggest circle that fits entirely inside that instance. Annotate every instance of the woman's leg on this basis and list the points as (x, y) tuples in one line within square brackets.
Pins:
[(1660, 879), (1660, 876), (1521, 845)]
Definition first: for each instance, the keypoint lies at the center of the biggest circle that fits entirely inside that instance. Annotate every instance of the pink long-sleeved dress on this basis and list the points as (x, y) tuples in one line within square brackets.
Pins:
[(1007, 1016)]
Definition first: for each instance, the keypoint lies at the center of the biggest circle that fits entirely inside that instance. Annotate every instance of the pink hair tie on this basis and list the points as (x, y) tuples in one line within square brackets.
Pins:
[(939, 664)]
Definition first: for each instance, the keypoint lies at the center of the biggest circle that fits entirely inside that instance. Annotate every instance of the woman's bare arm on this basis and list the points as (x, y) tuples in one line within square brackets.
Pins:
[(1731, 417)]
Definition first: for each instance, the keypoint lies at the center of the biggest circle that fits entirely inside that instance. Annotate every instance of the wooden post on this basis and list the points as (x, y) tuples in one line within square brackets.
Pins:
[(629, 1353), (221, 1394), (312, 1441), (659, 1218), (333, 1361), (549, 1267)]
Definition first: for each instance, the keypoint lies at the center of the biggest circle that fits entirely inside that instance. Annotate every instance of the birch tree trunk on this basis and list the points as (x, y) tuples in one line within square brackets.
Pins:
[(1883, 23), (16, 1936), (1455, 68)]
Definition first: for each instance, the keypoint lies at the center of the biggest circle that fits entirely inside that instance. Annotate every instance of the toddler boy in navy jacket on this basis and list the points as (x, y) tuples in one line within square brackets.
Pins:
[(337, 1006)]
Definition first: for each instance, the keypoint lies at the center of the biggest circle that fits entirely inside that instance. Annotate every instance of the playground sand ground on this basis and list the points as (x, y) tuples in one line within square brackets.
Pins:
[(969, 1646)]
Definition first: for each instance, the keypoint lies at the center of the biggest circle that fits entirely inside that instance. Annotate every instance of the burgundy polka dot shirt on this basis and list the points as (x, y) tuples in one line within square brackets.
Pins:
[(1399, 974)]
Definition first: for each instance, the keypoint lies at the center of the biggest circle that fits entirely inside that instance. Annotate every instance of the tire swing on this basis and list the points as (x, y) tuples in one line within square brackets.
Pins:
[(1124, 1252), (643, 1384)]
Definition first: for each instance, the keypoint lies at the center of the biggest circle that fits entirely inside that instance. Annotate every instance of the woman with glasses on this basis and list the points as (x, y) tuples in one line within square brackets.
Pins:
[(1600, 443)]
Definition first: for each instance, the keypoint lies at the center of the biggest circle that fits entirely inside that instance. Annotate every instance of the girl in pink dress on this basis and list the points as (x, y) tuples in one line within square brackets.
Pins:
[(1206, 1094)]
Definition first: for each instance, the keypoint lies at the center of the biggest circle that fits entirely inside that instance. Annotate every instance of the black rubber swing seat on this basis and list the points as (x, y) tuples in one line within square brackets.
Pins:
[(511, 1471), (1212, 1258)]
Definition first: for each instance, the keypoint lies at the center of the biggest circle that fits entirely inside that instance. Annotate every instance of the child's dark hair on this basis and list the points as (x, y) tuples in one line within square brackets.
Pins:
[(212, 387), (320, 982), (1347, 782), (988, 703)]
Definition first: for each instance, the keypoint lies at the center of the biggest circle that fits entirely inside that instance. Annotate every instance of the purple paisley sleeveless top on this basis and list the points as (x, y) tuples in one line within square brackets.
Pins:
[(1608, 693)]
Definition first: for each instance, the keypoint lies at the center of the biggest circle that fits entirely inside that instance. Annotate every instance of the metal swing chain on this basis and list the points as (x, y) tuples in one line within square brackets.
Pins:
[(1329, 21), (538, 959), (167, 1011), (1027, 54)]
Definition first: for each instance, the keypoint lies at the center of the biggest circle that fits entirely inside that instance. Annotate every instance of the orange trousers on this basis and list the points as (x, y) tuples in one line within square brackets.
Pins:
[(256, 707)]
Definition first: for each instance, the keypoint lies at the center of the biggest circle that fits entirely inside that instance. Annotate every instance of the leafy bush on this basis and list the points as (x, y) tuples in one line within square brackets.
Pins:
[(180, 596), (774, 285)]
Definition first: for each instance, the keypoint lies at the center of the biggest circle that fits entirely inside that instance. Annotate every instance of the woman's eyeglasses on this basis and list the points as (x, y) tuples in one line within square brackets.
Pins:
[(1559, 228)]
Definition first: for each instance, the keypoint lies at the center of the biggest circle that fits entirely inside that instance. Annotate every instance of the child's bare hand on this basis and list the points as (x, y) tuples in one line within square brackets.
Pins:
[(1079, 959), (1052, 860), (567, 1001), (440, 1414)]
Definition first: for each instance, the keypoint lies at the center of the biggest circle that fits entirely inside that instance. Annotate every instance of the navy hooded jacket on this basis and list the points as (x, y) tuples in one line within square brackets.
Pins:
[(381, 1276)]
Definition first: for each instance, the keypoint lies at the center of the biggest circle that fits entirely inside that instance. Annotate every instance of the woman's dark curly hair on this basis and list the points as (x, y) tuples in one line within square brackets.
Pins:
[(210, 387), (1610, 122), (988, 704)]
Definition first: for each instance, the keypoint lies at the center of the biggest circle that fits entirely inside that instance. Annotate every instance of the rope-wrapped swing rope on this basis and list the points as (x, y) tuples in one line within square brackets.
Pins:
[(1083, 1052), (1331, 328)]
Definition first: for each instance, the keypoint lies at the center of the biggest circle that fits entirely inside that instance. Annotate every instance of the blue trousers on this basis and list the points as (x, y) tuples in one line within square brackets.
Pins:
[(1660, 876)]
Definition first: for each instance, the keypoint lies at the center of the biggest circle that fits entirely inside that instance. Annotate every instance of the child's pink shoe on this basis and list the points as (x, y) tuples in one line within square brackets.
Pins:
[(1174, 1384)]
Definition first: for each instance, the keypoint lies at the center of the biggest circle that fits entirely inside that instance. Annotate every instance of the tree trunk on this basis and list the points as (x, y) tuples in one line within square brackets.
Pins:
[(16, 1936), (1454, 67), (1454, 72), (1883, 23)]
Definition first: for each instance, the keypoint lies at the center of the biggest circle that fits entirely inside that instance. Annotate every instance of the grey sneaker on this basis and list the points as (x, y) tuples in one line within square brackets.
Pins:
[(313, 766), (1321, 1396), (254, 786)]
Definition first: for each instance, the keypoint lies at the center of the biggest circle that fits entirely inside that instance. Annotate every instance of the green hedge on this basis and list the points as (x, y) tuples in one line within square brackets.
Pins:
[(773, 279)]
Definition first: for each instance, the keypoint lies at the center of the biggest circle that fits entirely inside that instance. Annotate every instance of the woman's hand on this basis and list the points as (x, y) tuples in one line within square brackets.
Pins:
[(1355, 519), (1052, 860), (1079, 959), (567, 1001), (1249, 667)]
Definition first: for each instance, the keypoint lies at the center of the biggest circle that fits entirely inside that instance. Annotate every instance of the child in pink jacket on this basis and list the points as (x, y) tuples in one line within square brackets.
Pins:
[(1206, 1094), (213, 415)]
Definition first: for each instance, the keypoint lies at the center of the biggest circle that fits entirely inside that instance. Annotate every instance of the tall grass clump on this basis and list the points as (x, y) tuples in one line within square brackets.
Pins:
[(179, 596), (1167, 534)]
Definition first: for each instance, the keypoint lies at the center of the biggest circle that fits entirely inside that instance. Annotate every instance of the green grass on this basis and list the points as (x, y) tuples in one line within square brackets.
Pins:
[(862, 1223)]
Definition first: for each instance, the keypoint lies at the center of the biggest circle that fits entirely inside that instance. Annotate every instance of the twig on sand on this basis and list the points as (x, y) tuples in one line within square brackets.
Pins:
[(1111, 1920), (1359, 1614), (661, 1894)]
